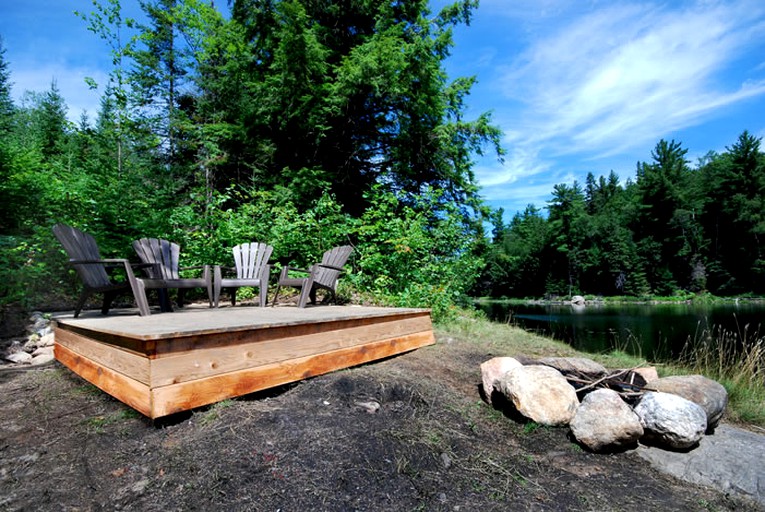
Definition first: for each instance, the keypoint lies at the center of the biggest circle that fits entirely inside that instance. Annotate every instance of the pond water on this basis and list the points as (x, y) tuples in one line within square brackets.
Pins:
[(653, 331)]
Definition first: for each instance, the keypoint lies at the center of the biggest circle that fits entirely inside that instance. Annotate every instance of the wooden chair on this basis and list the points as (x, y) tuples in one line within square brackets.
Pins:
[(163, 272), (322, 275), (86, 259), (252, 269)]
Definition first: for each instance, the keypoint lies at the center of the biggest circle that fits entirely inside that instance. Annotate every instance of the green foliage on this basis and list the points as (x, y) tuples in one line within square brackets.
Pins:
[(416, 255), (675, 231)]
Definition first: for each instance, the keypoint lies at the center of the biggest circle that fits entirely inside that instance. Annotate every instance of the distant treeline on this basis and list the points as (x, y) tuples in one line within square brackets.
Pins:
[(675, 227)]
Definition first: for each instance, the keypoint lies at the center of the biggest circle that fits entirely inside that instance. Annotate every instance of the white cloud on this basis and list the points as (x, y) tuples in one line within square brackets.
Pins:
[(70, 83), (601, 81)]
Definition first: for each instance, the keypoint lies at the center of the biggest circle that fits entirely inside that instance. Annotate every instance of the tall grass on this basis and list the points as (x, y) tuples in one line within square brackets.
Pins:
[(736, 359)]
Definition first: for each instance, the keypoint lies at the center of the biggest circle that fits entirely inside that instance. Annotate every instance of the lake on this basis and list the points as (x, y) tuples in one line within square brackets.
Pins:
[(653, 331)]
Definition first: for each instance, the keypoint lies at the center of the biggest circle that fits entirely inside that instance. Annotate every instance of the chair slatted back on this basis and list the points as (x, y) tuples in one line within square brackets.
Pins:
[(82, 246), (250, 258), (163, 254), (335, 257)]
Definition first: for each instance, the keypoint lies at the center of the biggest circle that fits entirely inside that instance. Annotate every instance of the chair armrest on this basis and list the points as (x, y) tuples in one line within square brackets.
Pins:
[(99, 262), (339, 269)]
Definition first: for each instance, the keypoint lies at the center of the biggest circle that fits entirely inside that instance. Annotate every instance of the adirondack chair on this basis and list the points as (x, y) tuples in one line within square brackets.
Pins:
[(252, 269), (163, 272), (86, 259), (322, 275)]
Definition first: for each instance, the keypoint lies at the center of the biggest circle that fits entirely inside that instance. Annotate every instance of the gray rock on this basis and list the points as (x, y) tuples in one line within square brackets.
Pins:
[(577, 300), (604, 422), (19, 357), (575, 366), (730, 460), (492, 370), (540, 393), (43, 357), (47, 340), (670, 420), (707, 393)]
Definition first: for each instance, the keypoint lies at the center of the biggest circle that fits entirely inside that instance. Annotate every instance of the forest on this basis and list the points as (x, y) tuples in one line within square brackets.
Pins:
[(313, 124)]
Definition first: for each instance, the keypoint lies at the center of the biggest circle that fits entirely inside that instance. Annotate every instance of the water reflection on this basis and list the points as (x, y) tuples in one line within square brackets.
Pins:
[(654, 331)]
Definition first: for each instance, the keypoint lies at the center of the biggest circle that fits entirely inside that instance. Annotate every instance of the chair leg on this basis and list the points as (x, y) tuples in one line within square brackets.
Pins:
[(181, 295), (233, 296), (139, 294), (305, 292), (107, 303), (81, 301), (263, 296), (276, 295), (164, 300), (216, 286)]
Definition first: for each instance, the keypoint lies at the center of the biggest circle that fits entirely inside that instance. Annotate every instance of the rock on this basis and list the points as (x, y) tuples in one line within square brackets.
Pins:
[(492, 370), (575, 366), (42, 358), (14, 347), (730, 460), (577, 300), (540, 393), (648, 373), (47, 340), (604, 422), (42, 350), (707, 393), (371, 407), (19, 357), (670, 420)]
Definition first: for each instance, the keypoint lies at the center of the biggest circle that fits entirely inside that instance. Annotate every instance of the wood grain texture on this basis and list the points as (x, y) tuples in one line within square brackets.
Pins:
[(188, 395), (240, 353), (130, 364), (121, 387)]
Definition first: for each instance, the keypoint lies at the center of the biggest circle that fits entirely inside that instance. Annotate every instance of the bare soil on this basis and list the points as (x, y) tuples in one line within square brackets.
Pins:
[(432, 445)]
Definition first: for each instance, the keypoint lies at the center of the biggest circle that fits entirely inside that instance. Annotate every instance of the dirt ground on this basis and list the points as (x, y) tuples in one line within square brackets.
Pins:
[(432, 445)]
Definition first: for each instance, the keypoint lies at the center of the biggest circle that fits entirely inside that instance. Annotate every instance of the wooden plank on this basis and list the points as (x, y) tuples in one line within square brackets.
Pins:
[(261, 333), (201, 363), (188, 395), (127, 363), (137, 346), (121, 387)]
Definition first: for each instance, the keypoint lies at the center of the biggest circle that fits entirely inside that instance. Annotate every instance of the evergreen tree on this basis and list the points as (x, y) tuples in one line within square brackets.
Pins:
[(6, 101), (344, 95)]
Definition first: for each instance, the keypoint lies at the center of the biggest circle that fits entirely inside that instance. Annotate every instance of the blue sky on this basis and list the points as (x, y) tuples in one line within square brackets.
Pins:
[(577, 86)]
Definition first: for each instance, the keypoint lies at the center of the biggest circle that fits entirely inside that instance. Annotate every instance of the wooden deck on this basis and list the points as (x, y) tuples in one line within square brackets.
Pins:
[(171, 362)]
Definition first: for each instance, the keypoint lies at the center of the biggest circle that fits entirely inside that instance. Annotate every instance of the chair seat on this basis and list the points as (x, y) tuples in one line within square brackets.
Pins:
[(322, 275), (251, 267), (234, 282), (154, 284)]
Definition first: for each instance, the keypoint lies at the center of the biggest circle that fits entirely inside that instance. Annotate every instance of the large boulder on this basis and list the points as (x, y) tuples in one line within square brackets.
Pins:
[(492, 370), (709, 394), (671, 421), (603, 422), (576, 366), (540, 393)]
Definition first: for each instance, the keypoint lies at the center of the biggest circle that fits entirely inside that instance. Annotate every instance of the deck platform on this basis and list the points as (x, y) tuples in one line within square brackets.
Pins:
[(172, 362)]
